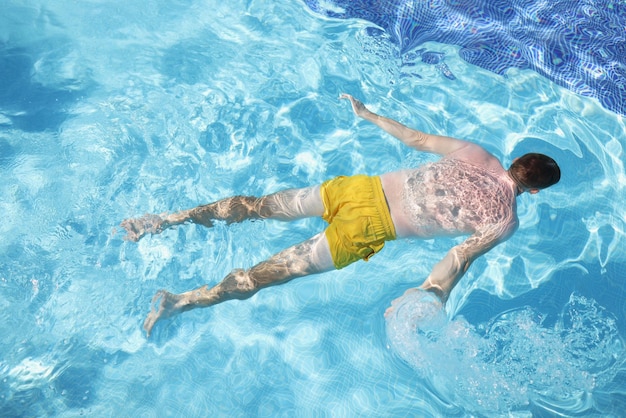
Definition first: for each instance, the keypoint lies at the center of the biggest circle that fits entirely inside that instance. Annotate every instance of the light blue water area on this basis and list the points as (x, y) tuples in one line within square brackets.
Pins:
[(111, 109)]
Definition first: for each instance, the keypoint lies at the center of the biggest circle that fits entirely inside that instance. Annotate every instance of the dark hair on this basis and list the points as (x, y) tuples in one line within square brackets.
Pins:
[(535, 171)]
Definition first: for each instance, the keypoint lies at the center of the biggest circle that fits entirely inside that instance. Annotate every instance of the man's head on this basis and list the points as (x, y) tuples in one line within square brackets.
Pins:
[(534, 172)]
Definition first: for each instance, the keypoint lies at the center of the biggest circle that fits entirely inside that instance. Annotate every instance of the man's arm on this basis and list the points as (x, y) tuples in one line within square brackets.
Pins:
[(447, 273), (419, 140)]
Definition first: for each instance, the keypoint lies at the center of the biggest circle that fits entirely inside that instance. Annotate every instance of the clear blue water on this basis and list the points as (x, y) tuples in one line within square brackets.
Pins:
[(111, 109)]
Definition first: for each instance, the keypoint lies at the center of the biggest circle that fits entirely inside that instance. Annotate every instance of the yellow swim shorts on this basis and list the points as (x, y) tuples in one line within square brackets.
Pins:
[(358, 217)]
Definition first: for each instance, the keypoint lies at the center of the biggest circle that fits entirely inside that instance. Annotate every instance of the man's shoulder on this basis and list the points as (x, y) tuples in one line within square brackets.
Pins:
[(477, 156)]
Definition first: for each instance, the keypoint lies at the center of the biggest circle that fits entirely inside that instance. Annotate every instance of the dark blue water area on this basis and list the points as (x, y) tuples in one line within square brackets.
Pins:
[(549, 298), (580, 45), (549, 304)]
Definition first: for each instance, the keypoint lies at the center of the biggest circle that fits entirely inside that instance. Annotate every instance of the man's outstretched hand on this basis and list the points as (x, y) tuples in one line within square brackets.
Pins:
[(394, 302), (357, 106), (426, 299)]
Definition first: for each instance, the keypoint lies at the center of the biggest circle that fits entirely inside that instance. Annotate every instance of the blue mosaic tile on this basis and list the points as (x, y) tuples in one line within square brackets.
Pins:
[(580, 45)]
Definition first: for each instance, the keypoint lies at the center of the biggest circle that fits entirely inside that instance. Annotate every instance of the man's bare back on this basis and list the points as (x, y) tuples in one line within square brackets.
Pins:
[(449, 197)]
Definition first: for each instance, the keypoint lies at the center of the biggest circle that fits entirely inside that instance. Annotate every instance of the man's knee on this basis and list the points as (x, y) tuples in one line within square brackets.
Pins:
[(238, 283)]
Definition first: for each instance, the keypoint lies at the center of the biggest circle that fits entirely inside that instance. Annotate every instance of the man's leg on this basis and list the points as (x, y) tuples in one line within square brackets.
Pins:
[(285, 206), (309, 257)]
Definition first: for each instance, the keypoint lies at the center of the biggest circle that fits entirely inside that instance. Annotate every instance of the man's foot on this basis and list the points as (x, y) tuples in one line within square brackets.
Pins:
[(136, 228), (164, 305)]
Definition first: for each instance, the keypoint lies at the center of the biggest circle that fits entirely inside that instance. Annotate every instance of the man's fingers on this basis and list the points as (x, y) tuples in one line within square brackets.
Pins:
[(354, 102), (347, 97)]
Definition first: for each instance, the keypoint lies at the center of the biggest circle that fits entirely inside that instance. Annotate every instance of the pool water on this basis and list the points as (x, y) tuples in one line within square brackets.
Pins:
[(112, 109)]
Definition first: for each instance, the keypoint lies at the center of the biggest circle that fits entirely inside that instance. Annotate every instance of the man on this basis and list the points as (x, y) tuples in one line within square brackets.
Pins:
[(467, 192)]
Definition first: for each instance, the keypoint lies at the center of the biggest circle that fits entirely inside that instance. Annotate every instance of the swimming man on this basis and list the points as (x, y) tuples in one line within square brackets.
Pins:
[(466, 192)]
